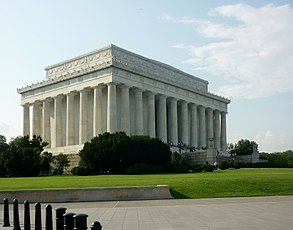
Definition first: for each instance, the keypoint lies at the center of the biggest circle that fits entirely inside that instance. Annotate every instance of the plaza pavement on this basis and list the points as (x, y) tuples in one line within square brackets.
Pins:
[(244, 213)]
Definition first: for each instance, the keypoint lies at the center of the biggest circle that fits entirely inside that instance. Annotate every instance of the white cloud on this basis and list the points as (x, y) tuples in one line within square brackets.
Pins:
[(273, 142), (251, 49)]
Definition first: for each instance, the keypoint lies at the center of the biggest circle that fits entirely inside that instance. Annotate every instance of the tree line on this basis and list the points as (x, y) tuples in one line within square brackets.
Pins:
[(116, 153), (23, 156)]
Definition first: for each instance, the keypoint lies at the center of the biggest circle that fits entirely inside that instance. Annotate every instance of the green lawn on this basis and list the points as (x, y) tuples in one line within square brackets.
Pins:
[(226, 183)]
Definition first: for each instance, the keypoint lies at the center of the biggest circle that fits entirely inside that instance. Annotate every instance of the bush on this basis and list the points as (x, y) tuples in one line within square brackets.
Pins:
[(144, 169), (80, 171), (196, 168), (224, 165), (209, 168), (178, 164), (115, 153)]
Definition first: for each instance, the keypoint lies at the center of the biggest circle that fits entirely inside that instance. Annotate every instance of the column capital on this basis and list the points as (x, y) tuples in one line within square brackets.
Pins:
[(216, 111), (161, 96), (123, 86), (150, 93), (99, 86), (172, 99), (209, 109), (74, 92), (26, 105), (59, 96), (83, 90), (192, 105), (137, 90), (111, 83), (182, 102)]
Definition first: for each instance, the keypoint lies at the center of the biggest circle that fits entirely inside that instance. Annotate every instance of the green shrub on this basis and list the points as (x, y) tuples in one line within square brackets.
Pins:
[(224, 165), (209, 168), (144, 169), (80, 171)]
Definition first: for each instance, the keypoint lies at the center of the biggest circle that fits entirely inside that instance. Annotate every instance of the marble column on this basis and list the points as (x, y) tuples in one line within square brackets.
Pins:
[(111, 108), (83, 116), (98, 111), (151, 114), (194, 126), (162, 118), (26, 119), (138, 112), (36, 119), (202, 126), (125, 112), (217, 129), (46, 127), (210, 128), (173, 122), (184, 122), (70, 119), (58, 121), (223, 132)]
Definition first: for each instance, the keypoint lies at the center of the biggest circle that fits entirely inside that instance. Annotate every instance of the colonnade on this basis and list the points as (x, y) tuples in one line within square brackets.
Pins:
[(75, 117)]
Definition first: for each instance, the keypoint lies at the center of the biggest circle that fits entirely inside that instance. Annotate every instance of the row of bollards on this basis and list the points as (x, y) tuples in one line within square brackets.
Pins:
[(66, 221)]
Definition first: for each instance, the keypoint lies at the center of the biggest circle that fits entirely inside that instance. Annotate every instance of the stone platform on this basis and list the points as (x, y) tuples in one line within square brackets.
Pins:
[(89, 194)]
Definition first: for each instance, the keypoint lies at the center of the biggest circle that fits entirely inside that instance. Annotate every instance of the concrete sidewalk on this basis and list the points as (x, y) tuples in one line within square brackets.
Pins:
[(214, 214)]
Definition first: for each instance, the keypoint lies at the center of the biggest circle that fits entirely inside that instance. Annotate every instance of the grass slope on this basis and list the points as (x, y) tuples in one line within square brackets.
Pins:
[(227, 183)]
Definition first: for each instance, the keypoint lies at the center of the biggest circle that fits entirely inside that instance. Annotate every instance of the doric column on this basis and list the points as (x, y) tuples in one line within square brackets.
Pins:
[(83, 116), (193, 132), (98, 111), (151, 114), (223, 132), (111, 108), (217, 129), (202, 126), (36, 118), (46, 129), (210, 128), (58, 121), (184, 122), (70, 121), (26, 119), (125, 113), (138, 112), (173, 122), (162, 118)]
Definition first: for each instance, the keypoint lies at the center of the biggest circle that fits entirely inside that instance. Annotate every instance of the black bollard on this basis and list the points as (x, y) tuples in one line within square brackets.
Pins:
[(96, 226), (27, 218), (80, 221), (59, 218), (15, 215), (6, 213), (38, 216), (68, 221), (49, 220)]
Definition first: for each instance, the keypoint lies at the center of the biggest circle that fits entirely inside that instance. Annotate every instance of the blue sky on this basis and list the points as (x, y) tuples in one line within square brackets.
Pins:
[(243, 48)]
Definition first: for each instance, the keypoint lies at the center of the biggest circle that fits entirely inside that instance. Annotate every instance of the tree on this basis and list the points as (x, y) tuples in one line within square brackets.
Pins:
[(279, 159), (60, 161), (45, 162), (3, 150), (100, 155), (242, 147), (22, 157), (116, 152)]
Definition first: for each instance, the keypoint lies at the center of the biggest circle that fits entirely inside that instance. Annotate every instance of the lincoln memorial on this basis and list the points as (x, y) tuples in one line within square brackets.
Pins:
[(112, 89)]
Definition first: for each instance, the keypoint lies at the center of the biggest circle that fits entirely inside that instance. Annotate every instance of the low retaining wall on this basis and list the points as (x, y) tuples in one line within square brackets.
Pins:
[(89, 194)]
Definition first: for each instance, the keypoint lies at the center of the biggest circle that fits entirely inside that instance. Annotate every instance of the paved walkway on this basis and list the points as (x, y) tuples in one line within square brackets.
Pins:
[(204, 214)]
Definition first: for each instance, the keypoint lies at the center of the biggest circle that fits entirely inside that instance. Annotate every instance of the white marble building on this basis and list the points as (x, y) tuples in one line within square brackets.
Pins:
[(112, 89)]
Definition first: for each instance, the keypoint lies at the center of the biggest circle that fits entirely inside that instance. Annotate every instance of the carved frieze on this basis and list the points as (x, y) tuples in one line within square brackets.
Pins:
[(92, 60)]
